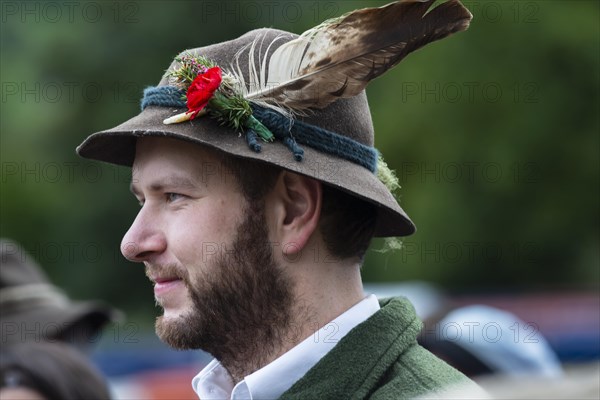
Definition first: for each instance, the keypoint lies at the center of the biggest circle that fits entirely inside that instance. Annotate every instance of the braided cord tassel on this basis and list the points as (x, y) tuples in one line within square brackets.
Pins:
[(252, 140), (294, 148), (265, 134)]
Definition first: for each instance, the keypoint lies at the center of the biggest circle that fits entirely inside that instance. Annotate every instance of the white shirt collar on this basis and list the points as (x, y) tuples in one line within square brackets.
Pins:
[(271, 381)]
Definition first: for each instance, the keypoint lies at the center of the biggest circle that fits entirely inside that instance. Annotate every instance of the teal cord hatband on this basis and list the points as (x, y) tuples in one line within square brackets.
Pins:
[(164, 96), (287, 130)]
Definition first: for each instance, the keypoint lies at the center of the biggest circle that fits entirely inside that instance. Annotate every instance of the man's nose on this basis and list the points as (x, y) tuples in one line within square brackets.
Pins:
[(144, 239)]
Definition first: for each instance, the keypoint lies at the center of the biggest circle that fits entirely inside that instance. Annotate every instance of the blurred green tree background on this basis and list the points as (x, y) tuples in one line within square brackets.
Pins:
[(493, 134)]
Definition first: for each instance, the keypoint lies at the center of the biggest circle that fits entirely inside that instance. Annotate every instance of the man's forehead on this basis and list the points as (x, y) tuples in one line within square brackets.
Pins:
[(158, 152), (170, 148), (178, 160)]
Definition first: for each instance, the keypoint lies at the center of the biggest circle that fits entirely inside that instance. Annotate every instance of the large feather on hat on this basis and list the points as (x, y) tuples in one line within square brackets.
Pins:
[(339, 57)]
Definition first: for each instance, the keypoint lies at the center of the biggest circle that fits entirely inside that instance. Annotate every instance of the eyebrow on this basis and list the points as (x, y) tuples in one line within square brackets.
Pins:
[(170, 181)]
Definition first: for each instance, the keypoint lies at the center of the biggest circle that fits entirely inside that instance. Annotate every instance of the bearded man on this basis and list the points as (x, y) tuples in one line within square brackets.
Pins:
[(255, 248)]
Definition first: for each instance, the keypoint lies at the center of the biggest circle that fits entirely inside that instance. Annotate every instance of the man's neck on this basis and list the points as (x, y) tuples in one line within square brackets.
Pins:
[(262, 344), (318, 299)]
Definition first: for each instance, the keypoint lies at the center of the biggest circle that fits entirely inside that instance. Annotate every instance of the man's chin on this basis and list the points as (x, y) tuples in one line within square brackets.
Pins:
[(172, 314), (176, 331)]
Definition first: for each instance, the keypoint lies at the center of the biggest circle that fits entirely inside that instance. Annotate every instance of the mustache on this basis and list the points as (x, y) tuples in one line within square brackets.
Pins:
[(168, 270)]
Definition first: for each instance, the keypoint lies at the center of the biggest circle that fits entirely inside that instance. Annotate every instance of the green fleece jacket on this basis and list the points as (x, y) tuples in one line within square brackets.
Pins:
[(378, 359)]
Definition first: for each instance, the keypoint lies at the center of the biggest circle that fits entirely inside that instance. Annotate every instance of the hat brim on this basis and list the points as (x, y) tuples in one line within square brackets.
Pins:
[(117, 146), (77, 320)]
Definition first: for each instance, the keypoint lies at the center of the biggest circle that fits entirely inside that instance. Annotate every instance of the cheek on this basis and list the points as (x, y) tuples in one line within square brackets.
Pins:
[(199, 232)]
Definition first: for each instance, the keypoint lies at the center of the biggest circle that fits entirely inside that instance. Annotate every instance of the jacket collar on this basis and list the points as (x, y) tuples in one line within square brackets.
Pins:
[(363, 356)]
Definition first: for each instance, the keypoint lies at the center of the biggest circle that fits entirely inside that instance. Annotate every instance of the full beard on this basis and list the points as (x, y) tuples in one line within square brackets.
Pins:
[(242, 309)]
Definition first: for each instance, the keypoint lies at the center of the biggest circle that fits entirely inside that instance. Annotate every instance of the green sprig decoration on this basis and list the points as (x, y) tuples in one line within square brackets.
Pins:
[(190, 67), (230, 111), (226, 105), (388, 177)]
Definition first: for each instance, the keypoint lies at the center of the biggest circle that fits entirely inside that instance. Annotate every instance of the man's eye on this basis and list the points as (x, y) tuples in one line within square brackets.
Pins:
[(171, 197)]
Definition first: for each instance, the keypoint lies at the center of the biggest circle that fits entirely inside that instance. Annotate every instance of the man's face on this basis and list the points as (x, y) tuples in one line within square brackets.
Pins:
[(204, 246)]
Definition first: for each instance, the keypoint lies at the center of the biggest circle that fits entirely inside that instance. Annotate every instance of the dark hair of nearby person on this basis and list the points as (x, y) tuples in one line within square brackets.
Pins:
[(53, 369)]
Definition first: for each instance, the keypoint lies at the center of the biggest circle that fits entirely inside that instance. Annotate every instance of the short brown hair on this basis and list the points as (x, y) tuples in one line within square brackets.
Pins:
[(347, 223)]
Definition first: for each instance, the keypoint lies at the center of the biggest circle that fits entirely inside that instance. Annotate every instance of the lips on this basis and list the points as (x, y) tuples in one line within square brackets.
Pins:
[(168, 279), (163, 285), (164, 279)]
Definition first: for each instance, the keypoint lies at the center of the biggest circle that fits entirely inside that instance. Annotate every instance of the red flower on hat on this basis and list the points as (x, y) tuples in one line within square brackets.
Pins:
[(202, 89)]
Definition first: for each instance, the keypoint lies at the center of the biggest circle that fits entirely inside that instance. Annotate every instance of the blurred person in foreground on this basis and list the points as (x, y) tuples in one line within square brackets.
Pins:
[(48, 371), (260, 191), (32, 309)]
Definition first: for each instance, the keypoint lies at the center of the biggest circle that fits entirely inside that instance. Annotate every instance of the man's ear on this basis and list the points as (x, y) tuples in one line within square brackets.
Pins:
[(295, 202)]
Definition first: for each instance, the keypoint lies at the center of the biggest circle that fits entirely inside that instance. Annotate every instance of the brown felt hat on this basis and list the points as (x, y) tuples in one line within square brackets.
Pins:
[(33, 309), (348, 117)]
